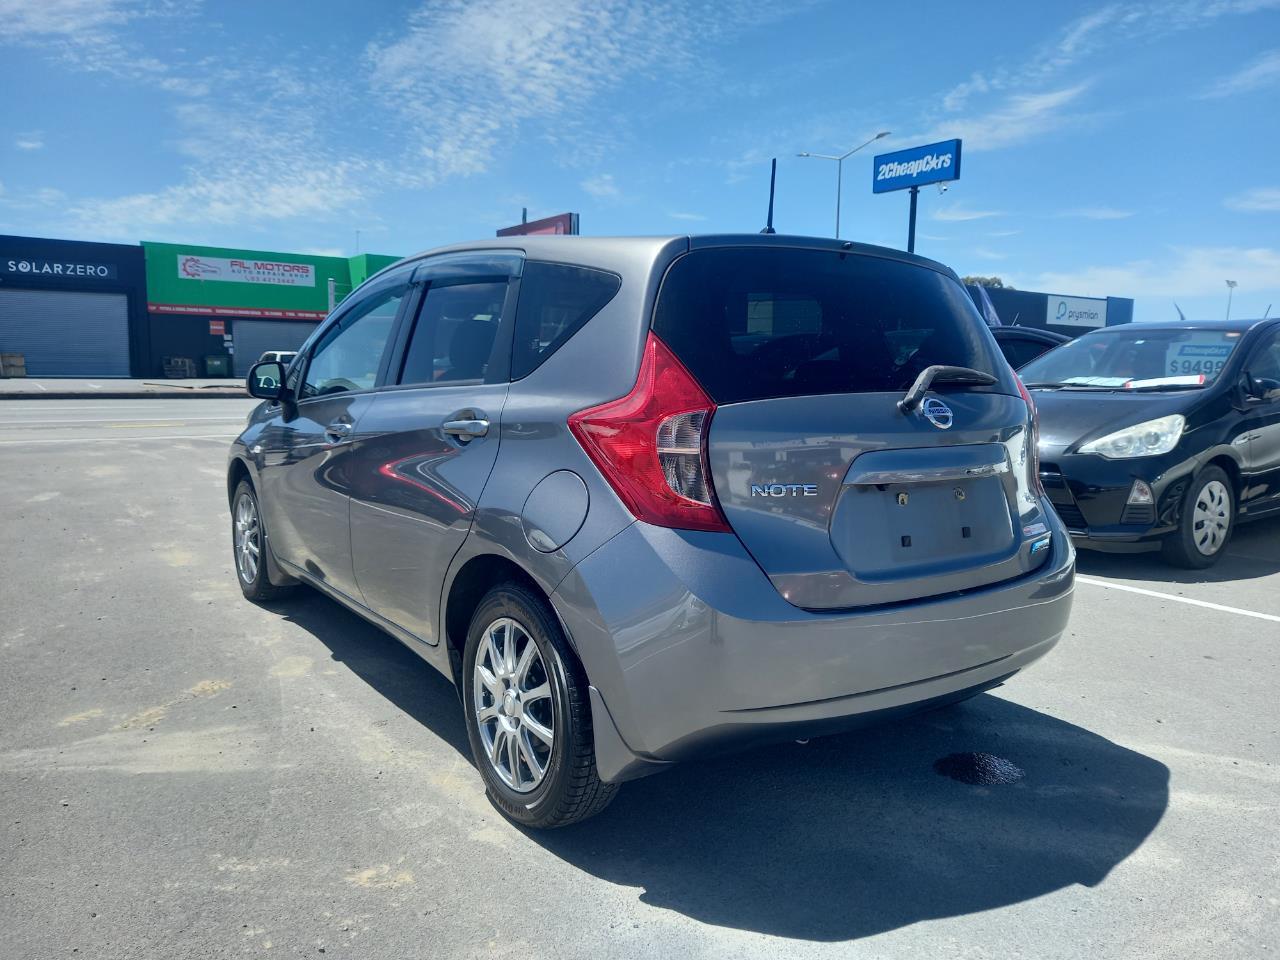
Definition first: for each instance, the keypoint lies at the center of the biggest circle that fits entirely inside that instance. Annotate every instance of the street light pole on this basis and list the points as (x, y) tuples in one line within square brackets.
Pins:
[(840, 168), (1231, 288)]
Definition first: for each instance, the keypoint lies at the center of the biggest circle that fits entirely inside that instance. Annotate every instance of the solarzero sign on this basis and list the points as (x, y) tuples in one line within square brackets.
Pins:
[(916, 166), (192, 267), (30, 267)]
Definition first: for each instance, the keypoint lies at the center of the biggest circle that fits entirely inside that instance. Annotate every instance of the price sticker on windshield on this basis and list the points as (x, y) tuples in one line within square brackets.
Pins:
[(1205, 355)]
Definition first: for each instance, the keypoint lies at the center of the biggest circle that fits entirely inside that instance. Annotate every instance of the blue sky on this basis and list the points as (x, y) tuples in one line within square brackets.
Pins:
[(1128, 148)]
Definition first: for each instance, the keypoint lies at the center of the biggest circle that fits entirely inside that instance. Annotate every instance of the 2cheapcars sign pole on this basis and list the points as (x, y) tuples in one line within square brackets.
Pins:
[(913, 168)]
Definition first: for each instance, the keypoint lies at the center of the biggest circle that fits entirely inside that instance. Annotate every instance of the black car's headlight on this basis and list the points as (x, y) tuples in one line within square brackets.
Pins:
[(1148, 439)]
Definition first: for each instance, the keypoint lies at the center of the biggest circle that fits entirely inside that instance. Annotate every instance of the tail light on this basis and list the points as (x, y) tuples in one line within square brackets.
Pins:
[(651, 445), (1033, 454)]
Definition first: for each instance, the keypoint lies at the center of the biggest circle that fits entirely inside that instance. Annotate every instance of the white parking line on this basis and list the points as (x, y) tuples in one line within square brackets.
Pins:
[(1169, 596), (199, 436), (177, 420)]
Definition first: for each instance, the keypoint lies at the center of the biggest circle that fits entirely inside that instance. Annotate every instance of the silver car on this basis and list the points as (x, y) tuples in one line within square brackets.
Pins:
[(645, 498)]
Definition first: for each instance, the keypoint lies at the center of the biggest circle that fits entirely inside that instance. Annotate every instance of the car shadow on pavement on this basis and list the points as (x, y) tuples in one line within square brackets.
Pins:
[(381, 661), (855, 835), (843, 837), (1253, 553)]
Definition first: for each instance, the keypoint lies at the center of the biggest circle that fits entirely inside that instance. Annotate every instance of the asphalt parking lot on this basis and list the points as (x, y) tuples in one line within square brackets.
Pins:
[(183, 774)]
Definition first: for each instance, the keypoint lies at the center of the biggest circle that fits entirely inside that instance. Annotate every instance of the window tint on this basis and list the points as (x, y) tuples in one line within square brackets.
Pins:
[(555, 301), (454, 336), (1266, 362), (1020, 350), (767, 322), (347, 357)]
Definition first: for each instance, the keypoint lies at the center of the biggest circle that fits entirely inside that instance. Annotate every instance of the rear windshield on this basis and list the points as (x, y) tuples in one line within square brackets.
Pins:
[(760, 323)]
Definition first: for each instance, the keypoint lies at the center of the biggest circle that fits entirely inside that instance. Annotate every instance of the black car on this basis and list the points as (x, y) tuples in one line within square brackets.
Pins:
[(1021, 345), (1161, 435)]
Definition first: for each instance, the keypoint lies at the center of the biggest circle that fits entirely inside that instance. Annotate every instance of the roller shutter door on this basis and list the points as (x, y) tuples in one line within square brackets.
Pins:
[(66, 333), (253, 338)]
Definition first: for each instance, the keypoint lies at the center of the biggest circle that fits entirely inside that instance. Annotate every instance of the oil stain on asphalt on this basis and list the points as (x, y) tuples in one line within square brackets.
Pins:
[(978, 769)]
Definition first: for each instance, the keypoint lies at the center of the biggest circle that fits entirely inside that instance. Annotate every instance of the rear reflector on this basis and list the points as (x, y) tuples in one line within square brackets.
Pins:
[(651, 445)]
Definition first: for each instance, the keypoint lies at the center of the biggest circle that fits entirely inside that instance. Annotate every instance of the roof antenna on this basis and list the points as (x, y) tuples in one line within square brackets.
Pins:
[(1181, 316), (773, 179), (1268, 313)]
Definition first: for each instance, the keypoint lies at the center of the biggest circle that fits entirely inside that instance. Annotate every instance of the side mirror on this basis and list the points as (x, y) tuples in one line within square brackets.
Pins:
[(266, 380)]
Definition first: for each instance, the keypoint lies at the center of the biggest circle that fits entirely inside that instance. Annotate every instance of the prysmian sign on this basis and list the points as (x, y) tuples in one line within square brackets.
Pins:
[(246, 270), (1076, 311), (916, 166), (35, 267)]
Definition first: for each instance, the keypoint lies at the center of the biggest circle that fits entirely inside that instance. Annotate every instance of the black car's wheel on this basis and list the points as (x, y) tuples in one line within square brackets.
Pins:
[(527, 712), (1207, 518), (249, 547)]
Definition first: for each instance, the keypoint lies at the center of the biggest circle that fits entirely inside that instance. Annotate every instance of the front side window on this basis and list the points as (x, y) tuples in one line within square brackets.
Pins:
[(1265, 363), (455, 333), (348, 356)]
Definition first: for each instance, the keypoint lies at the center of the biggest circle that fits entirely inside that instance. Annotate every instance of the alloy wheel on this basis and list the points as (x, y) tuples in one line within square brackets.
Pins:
[(248, 539), (1211, 517), (511, 697)]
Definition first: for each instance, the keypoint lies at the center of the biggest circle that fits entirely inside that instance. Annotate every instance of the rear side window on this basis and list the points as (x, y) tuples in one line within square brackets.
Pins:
[(555, 301), (455, 333), (760, 323)]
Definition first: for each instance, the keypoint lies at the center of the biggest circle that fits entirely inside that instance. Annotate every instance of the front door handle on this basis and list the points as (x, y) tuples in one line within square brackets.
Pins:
[(338, 431), (466, 428)]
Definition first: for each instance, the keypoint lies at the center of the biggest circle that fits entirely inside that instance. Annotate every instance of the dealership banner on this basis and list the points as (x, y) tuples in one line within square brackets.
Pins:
[(246, 270), (916, 166), (1076, 311)]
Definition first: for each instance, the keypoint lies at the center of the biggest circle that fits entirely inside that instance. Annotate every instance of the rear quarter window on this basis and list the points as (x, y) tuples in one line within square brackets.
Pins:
[(556, 300), (759, 323)]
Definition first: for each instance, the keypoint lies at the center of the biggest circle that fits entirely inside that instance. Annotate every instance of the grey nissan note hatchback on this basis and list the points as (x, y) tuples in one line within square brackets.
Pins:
[(643, 498)]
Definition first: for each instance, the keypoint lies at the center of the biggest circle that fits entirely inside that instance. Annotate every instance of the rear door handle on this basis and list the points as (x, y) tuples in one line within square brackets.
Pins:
[(338, 431), (466, 428)]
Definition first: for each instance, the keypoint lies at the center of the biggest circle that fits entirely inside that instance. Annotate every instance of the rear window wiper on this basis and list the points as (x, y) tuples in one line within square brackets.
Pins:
[(942, 374)]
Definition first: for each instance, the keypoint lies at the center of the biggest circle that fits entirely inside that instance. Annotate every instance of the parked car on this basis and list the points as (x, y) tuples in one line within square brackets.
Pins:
[(642, 499), (1161, 435), (1021, 345)]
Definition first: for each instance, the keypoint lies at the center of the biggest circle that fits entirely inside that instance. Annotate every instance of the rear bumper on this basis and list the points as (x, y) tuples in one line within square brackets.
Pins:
[(689, 648)]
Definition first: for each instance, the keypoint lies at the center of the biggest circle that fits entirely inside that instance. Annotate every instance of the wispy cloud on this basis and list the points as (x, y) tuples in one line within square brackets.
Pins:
[(1262, 72), (1182, 272), (29, 141), (681, 215), (470, 77), (1016, 119), (87, 34), (958, 212), (1097, 213), (1257, 200), (601, 186)]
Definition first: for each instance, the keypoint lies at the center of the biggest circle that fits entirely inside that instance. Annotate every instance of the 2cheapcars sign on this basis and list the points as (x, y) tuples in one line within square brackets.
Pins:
[(37, 267), (915, 166), (192, 267), (1076, 311)]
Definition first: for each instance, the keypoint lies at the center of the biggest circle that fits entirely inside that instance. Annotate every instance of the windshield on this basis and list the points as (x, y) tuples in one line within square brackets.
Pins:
[(1135, 359)]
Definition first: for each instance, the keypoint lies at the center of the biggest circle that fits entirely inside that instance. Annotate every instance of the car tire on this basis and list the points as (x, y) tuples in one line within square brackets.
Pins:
[(1206, 521), (510, 709), (251, 560)]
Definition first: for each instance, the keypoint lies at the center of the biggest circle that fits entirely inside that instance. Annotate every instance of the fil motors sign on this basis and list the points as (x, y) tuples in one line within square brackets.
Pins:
[(916, 166), (55, 269), (1076, 312), (272, 272)]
